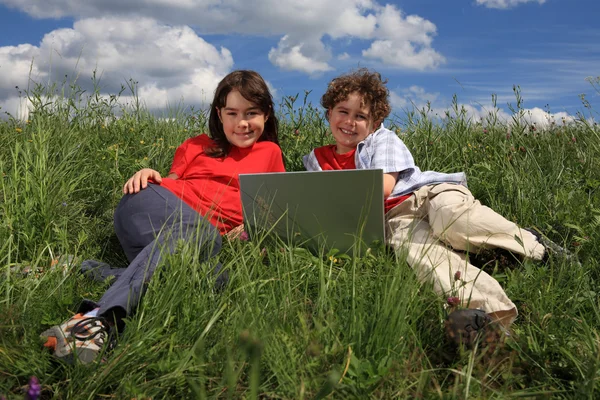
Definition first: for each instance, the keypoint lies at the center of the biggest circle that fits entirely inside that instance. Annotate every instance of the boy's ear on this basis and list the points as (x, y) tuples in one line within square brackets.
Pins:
[(328, 114), (376, 125)]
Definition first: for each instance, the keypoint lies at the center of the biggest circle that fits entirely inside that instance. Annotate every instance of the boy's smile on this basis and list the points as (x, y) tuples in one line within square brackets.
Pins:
[(350, 122)]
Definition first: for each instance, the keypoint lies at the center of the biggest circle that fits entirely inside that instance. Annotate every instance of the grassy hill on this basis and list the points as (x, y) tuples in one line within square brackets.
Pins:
[(291, 324)]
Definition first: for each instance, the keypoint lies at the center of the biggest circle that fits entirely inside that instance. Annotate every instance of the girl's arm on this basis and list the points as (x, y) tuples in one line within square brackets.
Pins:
[(139, 180)]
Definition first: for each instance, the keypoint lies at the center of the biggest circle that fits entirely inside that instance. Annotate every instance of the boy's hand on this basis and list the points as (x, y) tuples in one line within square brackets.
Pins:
[(139, 180)]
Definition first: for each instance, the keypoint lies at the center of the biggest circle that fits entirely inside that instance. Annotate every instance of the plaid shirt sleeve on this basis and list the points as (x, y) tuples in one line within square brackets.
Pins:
[(310, 162), (385, 150)]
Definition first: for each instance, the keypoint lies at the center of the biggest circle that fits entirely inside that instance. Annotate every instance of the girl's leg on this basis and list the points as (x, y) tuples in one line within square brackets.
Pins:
[(409, 231), (139, 217), (136, 219), (100, 271), (463, 222), (160, 215), (154, 212)]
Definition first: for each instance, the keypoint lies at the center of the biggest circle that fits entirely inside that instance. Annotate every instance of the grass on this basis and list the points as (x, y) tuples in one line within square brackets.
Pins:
[(291, 324)]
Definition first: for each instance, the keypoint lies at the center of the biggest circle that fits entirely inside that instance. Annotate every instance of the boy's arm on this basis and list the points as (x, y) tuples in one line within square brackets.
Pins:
[(389, 181), (386, 151)]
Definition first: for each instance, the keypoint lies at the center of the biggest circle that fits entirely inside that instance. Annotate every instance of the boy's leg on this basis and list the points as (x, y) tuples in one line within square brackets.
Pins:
[(432, 261), (460, 220), (168, 219)]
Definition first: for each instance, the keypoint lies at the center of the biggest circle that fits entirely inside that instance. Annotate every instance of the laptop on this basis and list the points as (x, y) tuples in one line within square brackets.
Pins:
[(327, 210)]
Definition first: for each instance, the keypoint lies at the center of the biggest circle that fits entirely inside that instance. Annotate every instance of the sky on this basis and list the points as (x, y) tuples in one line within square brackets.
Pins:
[(428, 50)]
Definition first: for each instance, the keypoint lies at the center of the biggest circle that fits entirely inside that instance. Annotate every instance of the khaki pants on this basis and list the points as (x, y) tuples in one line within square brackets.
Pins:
[(436, 216)]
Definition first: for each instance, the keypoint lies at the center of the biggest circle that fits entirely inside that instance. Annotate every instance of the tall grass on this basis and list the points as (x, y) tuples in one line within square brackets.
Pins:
[(290, 324)]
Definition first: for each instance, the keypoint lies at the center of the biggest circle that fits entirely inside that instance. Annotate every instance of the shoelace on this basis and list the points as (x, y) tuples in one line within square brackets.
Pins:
[(81, 330)]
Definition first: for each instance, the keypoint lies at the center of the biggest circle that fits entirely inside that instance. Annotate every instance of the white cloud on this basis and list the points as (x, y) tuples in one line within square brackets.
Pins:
[(294, 56), (504, 4), (412, 96), (171, 63), (16, 106), (404, 41), (16, 64), (415, 97), (542, 119), (396, 40)]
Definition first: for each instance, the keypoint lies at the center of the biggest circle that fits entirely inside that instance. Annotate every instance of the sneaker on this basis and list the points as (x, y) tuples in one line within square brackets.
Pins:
[(80, 337), (467, 327), (553, 248)]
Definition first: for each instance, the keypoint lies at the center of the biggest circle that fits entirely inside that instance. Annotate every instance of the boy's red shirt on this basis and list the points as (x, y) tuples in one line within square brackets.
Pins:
[(211, 185), (330, 160)]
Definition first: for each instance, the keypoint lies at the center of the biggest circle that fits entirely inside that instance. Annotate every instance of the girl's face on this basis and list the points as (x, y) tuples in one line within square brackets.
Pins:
[(350, 123), (243, 121)]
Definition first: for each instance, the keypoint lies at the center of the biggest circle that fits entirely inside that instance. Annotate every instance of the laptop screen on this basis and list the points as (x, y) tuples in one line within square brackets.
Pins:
[(340, 210)]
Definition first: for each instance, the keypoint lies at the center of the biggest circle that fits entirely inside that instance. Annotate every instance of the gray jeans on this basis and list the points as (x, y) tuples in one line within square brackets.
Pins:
[(147, 224)]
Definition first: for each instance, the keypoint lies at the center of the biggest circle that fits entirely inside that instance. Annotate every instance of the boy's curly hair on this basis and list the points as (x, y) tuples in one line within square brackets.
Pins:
[(368, 84)]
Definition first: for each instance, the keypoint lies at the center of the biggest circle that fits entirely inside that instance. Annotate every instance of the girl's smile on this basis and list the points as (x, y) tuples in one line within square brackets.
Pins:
[(243, 121)]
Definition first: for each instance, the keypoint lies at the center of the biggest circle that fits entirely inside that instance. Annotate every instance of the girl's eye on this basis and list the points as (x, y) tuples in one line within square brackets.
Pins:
[(231, 113)]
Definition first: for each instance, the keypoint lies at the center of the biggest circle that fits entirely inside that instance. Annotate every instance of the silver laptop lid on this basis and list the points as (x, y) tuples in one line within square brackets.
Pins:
[(325, 209)]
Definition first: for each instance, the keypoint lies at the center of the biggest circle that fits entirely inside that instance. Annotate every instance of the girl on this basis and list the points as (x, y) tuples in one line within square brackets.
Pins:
[(197, 202)]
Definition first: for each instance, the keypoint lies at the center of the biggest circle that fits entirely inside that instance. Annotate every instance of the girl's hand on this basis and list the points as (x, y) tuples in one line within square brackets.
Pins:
[(139, 180)]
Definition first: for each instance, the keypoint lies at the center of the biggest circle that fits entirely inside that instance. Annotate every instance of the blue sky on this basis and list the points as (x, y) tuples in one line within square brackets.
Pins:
[(429, 50)]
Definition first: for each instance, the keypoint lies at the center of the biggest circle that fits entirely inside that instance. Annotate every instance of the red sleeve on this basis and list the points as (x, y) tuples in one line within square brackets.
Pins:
[(180, 160), (277, 162), (187, 152)]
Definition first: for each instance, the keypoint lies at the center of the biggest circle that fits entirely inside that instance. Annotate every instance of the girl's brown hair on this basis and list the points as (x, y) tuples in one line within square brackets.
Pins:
[(254, 89), (369, 85)]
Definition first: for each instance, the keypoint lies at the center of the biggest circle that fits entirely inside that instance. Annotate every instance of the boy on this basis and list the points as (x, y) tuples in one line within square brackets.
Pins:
[(425, 211)]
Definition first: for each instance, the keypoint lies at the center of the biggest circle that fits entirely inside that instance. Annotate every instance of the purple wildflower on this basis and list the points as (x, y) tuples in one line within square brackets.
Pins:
[(244, 236), (453, 301), (457, 276), (34, 390)]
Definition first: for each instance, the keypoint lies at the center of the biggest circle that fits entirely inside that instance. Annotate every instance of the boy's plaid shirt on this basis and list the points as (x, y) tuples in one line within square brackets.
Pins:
[(384, 150)]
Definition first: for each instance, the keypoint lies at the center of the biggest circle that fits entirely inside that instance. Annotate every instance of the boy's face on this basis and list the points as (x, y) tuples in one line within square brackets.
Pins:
[(350, 123)]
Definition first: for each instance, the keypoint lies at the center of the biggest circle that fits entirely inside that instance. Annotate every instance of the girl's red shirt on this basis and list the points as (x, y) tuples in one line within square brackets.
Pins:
[(210, 185)]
